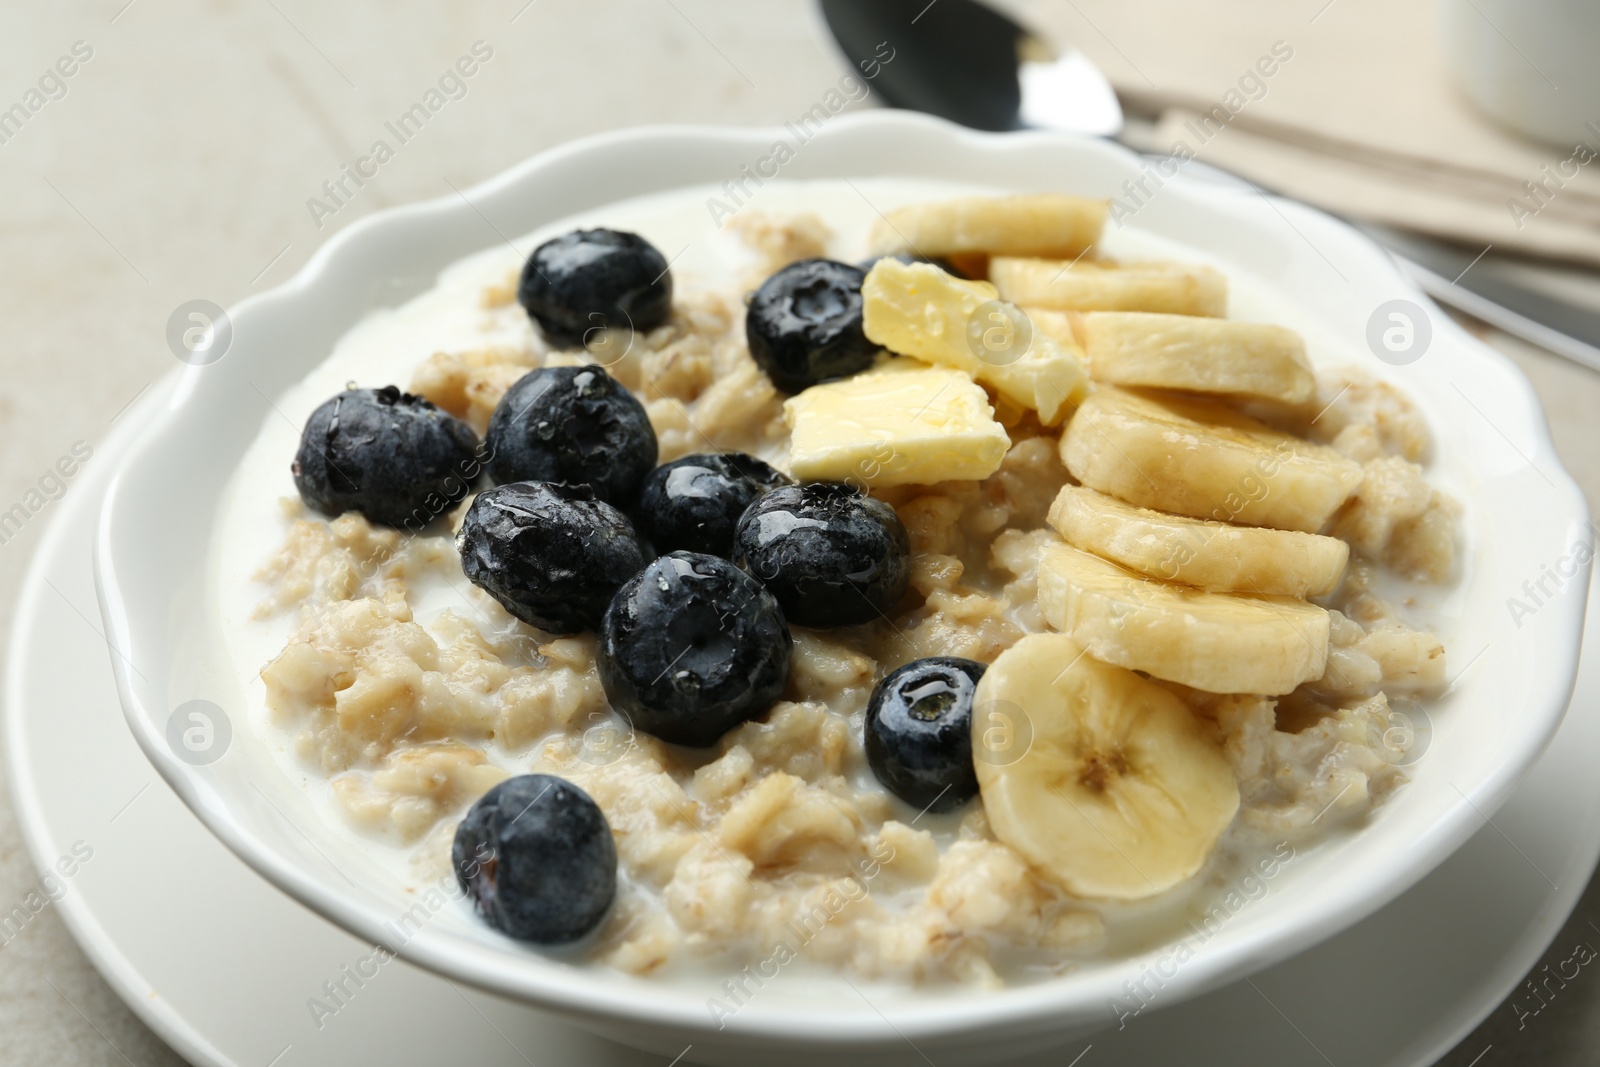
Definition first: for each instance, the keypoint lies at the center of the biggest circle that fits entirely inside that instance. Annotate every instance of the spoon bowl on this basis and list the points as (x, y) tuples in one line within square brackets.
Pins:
[(964, 61)]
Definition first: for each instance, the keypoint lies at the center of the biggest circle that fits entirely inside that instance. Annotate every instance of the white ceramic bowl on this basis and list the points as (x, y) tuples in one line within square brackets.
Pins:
[(1524, 515)]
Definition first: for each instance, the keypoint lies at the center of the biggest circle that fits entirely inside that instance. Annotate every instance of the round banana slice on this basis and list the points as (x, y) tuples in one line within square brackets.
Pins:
[(1218, 642), (1035, 224), (1173, 288), (1200, 552), (1248, 359), (1123, 791), (1203, 459)]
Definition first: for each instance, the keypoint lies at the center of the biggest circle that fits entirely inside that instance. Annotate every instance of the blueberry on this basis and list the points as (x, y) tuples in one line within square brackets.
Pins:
[(394, 457), (691, 648), (552, 554), (919, 732), (576, 425), (694, 503), (832, 555), (911, 257), (535, 854), (804, 324), (588, 279)]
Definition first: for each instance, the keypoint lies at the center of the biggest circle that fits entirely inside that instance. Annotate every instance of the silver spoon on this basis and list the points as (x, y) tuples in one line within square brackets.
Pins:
[(966, 62)]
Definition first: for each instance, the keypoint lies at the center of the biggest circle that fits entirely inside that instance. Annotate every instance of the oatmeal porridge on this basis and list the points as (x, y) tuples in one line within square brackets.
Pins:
[(1144, 601)]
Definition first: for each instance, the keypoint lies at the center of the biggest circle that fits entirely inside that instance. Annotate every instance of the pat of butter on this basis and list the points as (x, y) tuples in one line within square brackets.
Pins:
[(916, 309), (902, 423)]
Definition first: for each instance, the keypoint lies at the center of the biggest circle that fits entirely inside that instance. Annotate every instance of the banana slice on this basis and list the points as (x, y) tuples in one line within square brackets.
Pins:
[(918, 310), (1123, 791), (1218, 642), (1206, 553), (1202, 459), (1173, 288), (1249, 359), (1036, 225)]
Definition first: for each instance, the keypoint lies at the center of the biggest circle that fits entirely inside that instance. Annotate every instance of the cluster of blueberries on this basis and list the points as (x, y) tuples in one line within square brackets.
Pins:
[(691, 572)]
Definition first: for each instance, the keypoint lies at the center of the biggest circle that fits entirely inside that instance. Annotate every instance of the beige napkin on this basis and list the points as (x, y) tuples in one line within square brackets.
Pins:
[(1359, 114)]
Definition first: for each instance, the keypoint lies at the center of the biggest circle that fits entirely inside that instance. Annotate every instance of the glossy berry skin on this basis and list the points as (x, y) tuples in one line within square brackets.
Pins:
[(693, 504), (919, 732), (804, 324), (691, 648), (591, 279), (394, 457), (910, 257), (832, 555), (551, 554), (576, 425), (535, 855)]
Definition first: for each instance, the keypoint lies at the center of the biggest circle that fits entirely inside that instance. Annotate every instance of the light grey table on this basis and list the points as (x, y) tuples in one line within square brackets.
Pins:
[(176, 162)]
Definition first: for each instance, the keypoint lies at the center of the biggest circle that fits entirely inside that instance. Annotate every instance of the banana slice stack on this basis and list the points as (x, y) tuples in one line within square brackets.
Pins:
[(1188, 551), (1193, 540)]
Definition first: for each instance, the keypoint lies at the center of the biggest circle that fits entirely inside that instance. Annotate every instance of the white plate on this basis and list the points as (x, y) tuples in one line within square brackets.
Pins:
[(221, 964), (1523, 513)]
